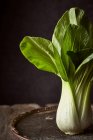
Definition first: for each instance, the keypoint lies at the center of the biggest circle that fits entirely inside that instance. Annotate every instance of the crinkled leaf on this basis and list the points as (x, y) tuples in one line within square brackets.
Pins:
[(70, 35), (74, 16), (76, 38)]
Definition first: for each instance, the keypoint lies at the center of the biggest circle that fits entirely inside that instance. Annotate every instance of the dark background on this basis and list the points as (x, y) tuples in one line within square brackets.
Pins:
[(20, 81)]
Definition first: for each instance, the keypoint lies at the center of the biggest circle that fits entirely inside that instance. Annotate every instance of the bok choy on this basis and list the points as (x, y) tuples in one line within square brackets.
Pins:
[(70, 56)]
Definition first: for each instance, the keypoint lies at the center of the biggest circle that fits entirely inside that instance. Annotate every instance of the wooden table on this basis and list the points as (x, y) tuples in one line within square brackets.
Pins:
[(7, 113)]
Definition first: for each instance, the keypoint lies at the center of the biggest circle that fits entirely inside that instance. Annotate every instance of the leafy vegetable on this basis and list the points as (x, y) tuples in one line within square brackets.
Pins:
[(70, 56)]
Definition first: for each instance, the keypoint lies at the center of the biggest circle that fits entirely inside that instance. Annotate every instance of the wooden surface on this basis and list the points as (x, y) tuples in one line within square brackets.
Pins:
[(7, 114), (40, 124)]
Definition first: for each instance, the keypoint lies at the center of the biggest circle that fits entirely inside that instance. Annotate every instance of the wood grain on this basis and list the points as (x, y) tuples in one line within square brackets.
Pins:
[(8, 113)]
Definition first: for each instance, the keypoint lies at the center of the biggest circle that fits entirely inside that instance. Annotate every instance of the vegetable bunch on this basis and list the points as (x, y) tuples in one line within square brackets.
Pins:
[(70, 56)]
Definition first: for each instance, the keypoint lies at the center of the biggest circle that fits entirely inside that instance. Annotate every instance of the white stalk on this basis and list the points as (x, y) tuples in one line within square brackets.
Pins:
[(68, 118)]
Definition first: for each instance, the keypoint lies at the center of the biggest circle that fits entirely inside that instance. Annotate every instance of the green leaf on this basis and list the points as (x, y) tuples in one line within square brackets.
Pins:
[(78, 57), (70, 35), (90, 32), (83, 75), (74, 16), (60, 65), (82, 82), (39, 52), (76, 38), (85, 61)]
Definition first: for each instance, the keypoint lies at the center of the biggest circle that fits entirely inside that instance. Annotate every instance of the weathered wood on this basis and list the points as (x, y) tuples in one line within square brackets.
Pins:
[(5, 111), (8, 113), (40, 124)]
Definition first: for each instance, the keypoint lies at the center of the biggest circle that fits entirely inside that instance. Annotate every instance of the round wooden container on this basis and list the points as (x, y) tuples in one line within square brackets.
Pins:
[(40, 124)]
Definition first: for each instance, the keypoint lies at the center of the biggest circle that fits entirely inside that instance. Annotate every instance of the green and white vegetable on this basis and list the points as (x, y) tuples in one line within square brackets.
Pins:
[(70, 56)]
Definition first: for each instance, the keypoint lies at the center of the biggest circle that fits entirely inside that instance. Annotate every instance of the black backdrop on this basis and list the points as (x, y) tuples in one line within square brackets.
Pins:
[(20, 81)]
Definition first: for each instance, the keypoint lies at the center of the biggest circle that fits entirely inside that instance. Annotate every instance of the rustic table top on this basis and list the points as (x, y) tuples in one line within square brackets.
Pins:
[(8, 113)]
